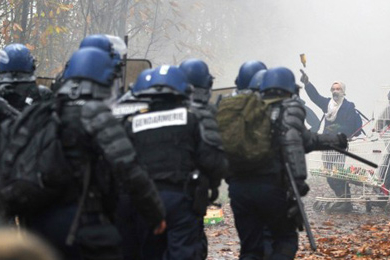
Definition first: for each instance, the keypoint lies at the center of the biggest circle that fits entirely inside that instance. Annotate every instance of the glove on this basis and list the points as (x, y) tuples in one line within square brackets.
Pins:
[(302, 186), (343, 141), (304, 78), (326, 141)]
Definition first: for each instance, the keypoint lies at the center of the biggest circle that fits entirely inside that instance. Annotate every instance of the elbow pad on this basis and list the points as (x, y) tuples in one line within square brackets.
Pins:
[(291, 140), (293, 115), (208, 125), (110, 136), (294, 153)]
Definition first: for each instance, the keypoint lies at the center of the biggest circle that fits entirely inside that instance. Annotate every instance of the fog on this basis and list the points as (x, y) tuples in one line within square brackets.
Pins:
[(344, 40)]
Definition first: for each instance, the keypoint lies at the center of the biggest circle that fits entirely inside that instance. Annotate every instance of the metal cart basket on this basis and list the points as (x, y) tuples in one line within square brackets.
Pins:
[(332, 164)]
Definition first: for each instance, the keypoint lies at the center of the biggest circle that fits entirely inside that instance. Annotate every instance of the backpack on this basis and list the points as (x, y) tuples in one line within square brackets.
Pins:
[(33, 168), (245, 128)]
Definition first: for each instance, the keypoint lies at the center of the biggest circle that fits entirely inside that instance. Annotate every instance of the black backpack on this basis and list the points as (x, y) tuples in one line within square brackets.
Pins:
[(33, 169)]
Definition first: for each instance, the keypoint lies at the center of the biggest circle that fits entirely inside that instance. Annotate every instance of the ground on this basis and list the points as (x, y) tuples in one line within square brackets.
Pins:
[(357, 235)]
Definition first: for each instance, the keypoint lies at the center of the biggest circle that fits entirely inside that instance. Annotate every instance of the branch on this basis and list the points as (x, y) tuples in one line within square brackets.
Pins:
[(153, 31)]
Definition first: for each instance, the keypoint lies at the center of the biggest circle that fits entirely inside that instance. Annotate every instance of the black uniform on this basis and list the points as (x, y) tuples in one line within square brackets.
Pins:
[(6, 110), (95, 142), (259, 199), (171, 152), (19, 94)]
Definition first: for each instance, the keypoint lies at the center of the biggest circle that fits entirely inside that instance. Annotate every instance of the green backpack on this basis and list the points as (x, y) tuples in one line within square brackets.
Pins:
[(245, 127)]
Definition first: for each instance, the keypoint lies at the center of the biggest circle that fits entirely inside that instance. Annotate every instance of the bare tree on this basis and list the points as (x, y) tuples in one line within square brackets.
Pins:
[(162, 31)]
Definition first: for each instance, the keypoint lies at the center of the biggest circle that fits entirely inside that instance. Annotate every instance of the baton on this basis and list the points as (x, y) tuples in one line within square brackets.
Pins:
[(354, 156), (301, 209)]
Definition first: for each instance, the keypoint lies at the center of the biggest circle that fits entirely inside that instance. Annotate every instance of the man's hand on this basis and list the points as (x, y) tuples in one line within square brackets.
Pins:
[(160, 228), (304, 78), (302, 186)]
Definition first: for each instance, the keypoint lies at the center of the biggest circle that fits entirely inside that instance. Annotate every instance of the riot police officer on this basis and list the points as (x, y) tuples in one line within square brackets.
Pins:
[(108, 43), (126, 213), (173, 144), (199, 77), (17, 80), (260, 199), (103, 162), (117, 48), (247, 70)]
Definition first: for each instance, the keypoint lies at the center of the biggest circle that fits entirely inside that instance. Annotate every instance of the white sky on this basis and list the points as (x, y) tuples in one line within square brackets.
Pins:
[(345, 40)]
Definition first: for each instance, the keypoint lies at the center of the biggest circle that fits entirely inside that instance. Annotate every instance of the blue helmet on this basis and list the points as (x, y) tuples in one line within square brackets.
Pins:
[(99, 41), (197, 73), (256, 80), (142, 81), (16, 58), (102, 42), (279, 78), (91, 64), (247, 70), (167, 79)]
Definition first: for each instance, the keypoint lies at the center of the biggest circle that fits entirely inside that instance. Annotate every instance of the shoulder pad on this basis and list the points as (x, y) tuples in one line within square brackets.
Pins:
[(208, 127), (294, 114), (96, 115), (111, 137)]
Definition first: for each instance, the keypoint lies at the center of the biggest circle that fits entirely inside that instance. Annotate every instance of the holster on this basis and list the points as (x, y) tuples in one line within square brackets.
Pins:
[(200, 187)]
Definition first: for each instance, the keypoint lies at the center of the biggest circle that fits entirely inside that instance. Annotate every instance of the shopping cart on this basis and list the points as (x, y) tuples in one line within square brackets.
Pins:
[(331, 164)]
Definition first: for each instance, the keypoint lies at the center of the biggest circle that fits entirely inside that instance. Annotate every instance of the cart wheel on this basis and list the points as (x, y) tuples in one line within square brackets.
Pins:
[(387, 209), (318, 206), (327, 207), (368, 206)]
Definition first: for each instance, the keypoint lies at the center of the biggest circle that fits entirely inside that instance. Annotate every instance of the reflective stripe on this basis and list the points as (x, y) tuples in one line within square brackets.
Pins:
[(159, 119)]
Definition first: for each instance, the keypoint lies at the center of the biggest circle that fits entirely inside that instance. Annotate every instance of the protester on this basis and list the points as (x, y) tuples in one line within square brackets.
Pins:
[(340, 117)]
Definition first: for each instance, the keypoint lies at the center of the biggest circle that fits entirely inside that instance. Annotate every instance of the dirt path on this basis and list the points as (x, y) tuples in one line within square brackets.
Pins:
[(357, 235)]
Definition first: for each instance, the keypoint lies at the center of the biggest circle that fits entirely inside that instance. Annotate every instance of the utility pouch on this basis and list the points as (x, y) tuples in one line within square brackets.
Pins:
[(201, 198)]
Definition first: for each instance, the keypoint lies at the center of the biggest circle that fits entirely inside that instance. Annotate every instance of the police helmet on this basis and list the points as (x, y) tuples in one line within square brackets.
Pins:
[(197, 73), (99, 41), (167, 79), (256, 80), (246, 72), (91, 64), (142, 82), (111, 44), (279, 78), (18, 58)]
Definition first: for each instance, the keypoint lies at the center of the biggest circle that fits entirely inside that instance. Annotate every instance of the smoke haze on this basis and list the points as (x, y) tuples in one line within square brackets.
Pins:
[(343, 40)]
